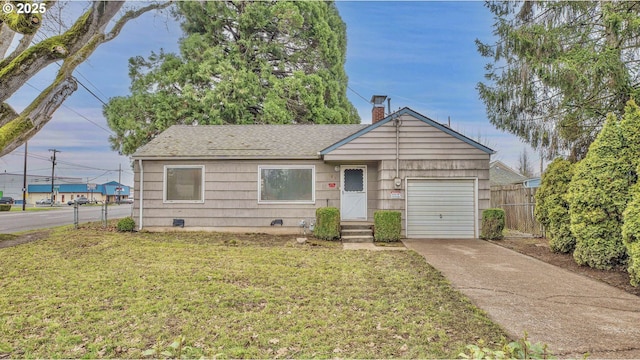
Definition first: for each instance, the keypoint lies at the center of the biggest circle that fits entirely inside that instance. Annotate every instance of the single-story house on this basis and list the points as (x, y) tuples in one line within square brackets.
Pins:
[(247, 177), (107, 192)]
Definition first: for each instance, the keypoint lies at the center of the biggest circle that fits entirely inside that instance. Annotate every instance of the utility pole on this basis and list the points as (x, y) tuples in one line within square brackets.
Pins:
[(119, 182), (24, 179), (53, 169)]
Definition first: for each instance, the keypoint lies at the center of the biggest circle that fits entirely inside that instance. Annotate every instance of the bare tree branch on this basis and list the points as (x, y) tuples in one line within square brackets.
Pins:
[(74, 47)]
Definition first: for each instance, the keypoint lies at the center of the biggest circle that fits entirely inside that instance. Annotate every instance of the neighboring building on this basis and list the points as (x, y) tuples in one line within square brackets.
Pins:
[(12, 184), (532, 183), (243, 177), (107, 192), (501, 174)]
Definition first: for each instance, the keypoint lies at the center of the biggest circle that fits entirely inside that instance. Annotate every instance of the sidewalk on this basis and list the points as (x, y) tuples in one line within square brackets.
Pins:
[(570, 313)]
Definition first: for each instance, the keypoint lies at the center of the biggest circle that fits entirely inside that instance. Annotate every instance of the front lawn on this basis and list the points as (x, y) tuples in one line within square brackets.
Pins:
[(94, 293)]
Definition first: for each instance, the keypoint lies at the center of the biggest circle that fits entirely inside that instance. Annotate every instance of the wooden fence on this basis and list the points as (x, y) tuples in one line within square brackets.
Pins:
[(518, 204)]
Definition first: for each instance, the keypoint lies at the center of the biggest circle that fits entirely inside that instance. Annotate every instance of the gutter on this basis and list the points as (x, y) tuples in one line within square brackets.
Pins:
[(194, 158)]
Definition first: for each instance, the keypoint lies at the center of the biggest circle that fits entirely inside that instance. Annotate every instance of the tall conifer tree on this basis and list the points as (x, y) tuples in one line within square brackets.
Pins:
[(240, 62)]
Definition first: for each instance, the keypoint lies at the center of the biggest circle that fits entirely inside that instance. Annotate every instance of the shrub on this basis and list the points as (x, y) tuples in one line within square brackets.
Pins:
[(327, 223), (631, 234), (552, 208), (492, 224), (5, 207), (126, 224), (630, 125), (597, 197), (387, 225)]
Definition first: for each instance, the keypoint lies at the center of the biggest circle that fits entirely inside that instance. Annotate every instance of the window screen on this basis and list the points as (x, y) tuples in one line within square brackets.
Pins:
[(353, 180)]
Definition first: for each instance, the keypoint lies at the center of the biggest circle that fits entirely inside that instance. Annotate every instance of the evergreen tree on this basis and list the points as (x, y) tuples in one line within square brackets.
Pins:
[(240, 62), (597, 197), (630, 126), (558, 67), (552, 208), (631, 233)]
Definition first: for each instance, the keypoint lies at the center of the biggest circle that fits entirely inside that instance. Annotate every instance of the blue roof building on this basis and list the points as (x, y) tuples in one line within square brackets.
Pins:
[(107, 192)]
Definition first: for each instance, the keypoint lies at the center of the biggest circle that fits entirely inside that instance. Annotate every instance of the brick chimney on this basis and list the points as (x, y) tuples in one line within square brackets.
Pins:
[(377, 113)]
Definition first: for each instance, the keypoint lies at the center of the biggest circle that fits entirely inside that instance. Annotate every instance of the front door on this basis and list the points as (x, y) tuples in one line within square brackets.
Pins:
[(353, 192)]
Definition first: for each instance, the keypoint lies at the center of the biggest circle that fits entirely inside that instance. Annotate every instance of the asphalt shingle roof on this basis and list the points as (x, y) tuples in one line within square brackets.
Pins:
[(245, 141), (501, 174)]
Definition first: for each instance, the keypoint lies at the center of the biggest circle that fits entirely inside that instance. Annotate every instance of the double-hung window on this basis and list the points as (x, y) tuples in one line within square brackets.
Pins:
[(286, 184), (183, 184)]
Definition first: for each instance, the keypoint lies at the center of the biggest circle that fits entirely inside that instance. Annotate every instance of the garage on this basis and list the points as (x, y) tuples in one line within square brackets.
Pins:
[(441, 208)]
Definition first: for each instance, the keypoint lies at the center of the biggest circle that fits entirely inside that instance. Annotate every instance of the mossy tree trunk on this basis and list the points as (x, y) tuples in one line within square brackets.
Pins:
[(73, 47)]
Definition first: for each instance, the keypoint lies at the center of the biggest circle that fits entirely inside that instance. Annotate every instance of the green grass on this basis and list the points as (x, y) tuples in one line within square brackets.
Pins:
[(38, 208), (92, 293)]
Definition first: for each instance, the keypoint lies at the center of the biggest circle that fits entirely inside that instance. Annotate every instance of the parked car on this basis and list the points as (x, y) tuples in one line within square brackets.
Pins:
[(79, 200), (45, 201), (6, 200), (126, 201)]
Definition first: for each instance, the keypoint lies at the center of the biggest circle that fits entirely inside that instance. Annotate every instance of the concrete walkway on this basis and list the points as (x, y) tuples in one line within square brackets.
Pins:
[(569, 312)]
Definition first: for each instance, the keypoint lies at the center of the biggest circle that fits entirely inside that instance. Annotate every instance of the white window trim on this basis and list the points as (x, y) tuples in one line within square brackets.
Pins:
[(164, 184), (287, 167)]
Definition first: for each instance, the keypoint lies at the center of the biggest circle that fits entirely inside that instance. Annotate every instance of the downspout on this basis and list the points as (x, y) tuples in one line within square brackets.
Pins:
[(397, 123), (141, 190)]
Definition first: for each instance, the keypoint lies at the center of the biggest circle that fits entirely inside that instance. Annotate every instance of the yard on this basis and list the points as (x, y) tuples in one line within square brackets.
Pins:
[(101, 294)]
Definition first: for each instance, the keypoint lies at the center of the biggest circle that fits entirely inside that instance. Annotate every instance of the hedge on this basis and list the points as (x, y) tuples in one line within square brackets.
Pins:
[(5, 207), (631, 234), (387, 225), (492, 224), (552, 208), (597, 197), (327, 223)]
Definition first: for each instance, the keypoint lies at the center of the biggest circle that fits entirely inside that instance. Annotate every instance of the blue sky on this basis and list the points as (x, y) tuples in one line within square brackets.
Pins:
[(421, 54)]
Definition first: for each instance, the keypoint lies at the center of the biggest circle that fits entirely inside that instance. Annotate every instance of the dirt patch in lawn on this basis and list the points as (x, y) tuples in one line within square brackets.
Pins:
[(8, 240), (538, 247)]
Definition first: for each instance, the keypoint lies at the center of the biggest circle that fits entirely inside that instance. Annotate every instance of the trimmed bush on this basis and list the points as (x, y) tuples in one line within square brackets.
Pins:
[(633, 249), (387, 225), (597, 197), (126, 224), (552, 208), (5, 207), (631, 234), (327, 223), (630, 125), (492, 224)]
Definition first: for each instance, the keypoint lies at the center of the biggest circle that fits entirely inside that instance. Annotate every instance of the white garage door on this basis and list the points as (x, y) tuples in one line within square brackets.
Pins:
[(443, 208)]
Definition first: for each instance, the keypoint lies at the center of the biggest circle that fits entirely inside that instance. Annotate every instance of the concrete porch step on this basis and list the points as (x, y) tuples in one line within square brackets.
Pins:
[(357, 239), (356, 225), (356, 232)]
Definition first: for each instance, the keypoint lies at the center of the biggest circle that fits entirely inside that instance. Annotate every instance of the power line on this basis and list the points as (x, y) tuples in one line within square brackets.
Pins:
[(355, 92), (89, 91), (68, 163), (75, 112)]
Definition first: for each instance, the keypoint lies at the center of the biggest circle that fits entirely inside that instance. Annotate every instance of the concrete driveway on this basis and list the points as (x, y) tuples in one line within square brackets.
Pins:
[(570, 313)]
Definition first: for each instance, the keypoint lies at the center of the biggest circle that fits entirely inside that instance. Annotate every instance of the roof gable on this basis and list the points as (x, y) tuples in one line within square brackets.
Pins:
[(407, 111)]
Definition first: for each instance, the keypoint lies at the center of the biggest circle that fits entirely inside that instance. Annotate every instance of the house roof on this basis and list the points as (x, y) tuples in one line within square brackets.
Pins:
[(501, 174), (245, 141), (308, 141), (407, 111)]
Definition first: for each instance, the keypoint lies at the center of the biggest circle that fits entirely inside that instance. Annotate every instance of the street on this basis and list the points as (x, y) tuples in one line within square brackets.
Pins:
[(12, 221)]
